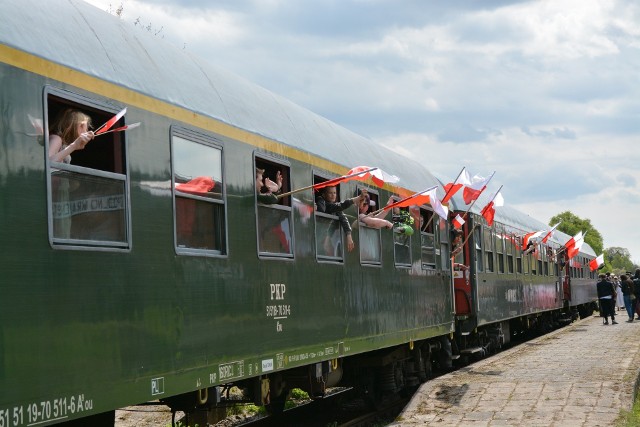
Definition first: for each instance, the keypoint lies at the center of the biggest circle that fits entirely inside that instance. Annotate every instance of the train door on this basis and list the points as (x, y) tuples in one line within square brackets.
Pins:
[(565, 269), (461, 271)]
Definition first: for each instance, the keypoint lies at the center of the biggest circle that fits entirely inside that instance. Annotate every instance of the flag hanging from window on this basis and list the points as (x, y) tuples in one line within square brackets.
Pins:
[(574, 245), (361, 173), (549, 233), (458, 222), (475, 187), (452, 188), (595, 263), (529, 238), (489, 211), (425, 197)]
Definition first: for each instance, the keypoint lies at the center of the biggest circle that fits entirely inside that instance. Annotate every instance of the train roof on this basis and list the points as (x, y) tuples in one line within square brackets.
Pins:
[(79, 36)]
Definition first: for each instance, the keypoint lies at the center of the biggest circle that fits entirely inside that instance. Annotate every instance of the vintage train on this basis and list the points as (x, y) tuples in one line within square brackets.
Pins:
[(148, 267)]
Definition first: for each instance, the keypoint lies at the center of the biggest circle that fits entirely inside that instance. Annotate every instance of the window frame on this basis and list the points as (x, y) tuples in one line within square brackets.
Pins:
[(215, 143), (325, 176), (361, 226), (396, 263), (432, 225), (283, 163), (84, 103)]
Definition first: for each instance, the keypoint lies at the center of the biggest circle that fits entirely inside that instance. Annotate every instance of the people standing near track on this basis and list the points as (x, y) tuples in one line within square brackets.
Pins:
[(617, 281), (606, 296), (627, 288), (636, 291)]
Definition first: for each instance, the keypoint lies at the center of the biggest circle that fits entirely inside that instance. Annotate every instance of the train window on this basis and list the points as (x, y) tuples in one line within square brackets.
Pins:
[(370, 244), (427, 239), (499, 239), (509, 243), (488, 249), (274, 216), (517, 241), (541, 257), (533, 259), (329, 227), (477, 241), (445, 254), (402, 231), (198, 194), (87, 190)]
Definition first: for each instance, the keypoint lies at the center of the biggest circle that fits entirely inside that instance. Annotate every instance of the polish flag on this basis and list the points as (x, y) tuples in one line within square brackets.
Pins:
[(549, 233), (198, 185), (121, 128), (452, 188), (572, 241), (489, 211), (574, 244), (530, 236), (428, 196), (361, 173), (475, 187), (458, 222), (112, 121), (595, 263)]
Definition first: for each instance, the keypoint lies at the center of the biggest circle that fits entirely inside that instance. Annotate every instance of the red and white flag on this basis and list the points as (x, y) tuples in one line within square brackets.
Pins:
[(452, 188), (489, 211), (198, 185), (529, 237), (121, 128), (595, 263), (458, 222), (549, 233), (475, 187), (361, 173), (574, 244), (428, 196), (112, 121)]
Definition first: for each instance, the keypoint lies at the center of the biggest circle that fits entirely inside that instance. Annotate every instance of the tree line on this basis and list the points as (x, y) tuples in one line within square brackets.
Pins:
[(616, 260)]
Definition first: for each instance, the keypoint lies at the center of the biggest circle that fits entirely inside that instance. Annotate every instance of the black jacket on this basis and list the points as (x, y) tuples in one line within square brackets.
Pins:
[(605, 288), (335, 209)]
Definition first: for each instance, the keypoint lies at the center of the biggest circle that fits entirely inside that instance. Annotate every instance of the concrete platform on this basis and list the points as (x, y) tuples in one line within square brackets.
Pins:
[(581, 375)]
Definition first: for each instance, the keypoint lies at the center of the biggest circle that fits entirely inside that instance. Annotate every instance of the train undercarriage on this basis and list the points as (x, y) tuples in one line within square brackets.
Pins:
[(396, 370)]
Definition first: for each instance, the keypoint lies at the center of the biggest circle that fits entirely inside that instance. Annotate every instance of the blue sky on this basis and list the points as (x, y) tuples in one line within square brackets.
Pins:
[(546, 93)]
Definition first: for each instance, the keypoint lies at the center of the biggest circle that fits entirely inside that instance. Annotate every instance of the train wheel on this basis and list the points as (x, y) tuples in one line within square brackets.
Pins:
[(277, 403)]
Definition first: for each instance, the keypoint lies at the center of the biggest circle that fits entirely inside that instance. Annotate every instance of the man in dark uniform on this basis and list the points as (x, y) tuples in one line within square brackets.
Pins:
[(606, 296)]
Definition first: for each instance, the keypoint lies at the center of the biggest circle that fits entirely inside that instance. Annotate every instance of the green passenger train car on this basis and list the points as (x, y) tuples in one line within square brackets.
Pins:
[(147, 267)]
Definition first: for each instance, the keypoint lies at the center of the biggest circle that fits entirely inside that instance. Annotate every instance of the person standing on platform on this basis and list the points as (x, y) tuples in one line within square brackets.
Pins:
[(636, 291), (627, 289), (606, 296), (619, 296)]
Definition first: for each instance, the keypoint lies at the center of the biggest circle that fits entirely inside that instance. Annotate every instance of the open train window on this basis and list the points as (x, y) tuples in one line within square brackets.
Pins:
[(88, 188), (198, 194), (370, 238), (518, 246), (443, 236), (403, 229), (329, 226), (274, 216), (427, 239)]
